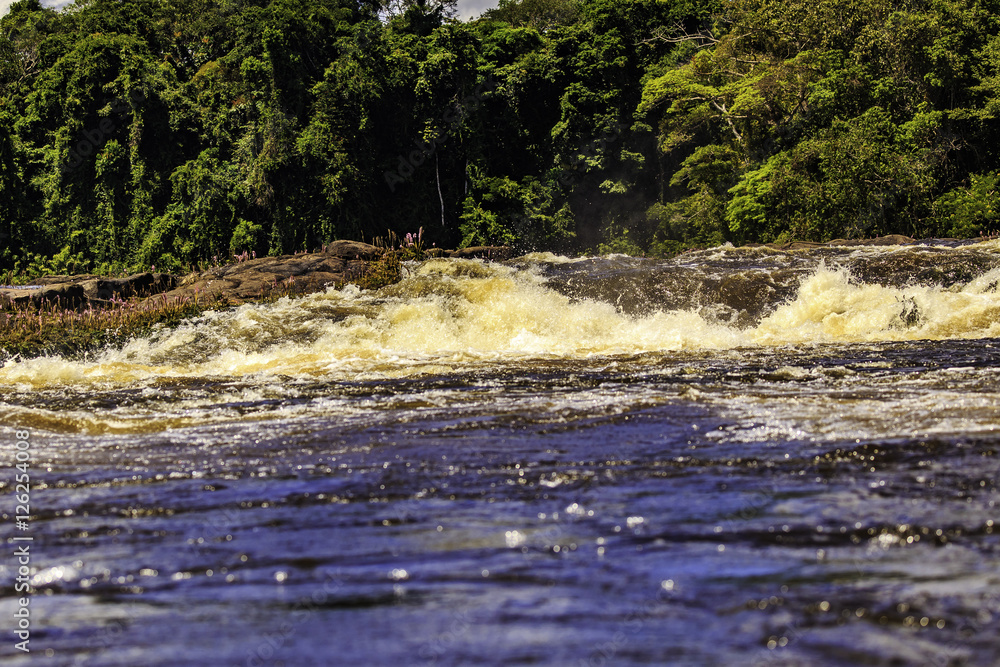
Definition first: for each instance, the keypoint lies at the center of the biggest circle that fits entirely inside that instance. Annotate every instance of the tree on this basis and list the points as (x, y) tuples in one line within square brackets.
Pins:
[(541, 15)]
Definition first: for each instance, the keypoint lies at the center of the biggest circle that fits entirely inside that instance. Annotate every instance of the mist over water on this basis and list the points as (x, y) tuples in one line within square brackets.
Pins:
[(737, 456)]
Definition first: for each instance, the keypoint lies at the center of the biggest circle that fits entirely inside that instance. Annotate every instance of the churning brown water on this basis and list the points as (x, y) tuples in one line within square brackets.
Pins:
[(739, 456)]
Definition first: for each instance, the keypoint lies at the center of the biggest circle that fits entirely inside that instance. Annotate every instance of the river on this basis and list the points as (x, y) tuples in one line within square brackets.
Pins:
[(733, 457)]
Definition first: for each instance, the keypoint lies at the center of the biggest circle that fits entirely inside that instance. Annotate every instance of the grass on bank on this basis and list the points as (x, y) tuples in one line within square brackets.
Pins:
[(29, 330)]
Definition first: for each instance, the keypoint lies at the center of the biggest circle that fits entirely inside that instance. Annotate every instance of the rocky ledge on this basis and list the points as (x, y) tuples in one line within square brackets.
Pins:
[(340, 262)]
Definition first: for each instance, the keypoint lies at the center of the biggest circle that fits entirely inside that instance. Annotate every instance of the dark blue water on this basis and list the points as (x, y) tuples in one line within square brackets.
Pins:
[(736, 457), (807, 505)]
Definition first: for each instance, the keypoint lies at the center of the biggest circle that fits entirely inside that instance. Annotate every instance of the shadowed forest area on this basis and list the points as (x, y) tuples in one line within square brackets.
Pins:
[(166, 133)]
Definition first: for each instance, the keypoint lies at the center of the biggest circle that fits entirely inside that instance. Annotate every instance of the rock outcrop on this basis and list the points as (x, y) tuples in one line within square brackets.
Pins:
[(346, 261), (80, 291), (349, 250), (260, 277), (891, 239), (340, 262)]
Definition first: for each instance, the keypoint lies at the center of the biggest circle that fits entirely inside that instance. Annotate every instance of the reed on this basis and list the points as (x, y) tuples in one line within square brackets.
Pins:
[(52, 328), (386, 270), (29, 330)]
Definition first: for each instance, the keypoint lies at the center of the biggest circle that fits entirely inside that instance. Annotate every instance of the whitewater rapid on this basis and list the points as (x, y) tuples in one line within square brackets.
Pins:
[(450, 315)]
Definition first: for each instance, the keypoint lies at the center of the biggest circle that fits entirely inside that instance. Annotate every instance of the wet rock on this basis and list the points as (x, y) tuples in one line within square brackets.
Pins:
[(353, 250), (922, 266), (137, 285), (797, 245), (891, 239), (496, 253), (257, 278), (640, 287), (79, 291), (755, 294), (309, 272), (633, 286), (339, 263), (60, 279), (15, 295), (66, 295)]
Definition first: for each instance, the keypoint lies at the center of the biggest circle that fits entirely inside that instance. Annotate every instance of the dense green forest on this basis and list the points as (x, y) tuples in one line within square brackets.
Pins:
[(136, 133)]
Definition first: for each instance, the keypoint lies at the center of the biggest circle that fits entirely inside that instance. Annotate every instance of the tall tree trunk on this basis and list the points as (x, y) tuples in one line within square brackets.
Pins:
[(437, 169)]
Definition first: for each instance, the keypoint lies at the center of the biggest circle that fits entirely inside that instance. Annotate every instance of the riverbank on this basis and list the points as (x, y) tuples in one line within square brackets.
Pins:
[(71, 315), (74, 315)]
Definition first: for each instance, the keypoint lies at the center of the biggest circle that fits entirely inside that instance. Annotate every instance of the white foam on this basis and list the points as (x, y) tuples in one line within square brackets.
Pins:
[(449, 314)]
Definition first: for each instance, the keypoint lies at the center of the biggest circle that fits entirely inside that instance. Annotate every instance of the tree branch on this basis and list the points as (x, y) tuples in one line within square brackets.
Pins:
[(678, 34), (721, 108)]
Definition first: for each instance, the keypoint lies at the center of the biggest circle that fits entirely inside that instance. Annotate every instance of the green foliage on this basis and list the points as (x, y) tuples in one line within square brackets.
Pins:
[(201, 220), (832, 119), (64, 262), (858, 178), (619, 243), (499, 211), (168, 133), (537, 14), (970, 210), (384, 271)]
